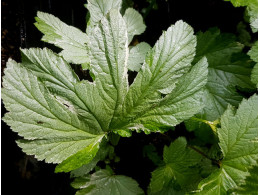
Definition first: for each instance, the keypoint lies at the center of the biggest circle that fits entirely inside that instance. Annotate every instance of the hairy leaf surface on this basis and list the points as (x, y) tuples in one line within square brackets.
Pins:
[(70, 39), (50, 130), (162, 72), (63, 120)]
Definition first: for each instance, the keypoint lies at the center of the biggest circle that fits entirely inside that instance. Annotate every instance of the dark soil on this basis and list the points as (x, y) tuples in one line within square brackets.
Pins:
[(23, 174)]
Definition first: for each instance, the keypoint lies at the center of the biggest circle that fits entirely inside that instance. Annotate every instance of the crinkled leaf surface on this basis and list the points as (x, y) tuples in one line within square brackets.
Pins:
[(228, 67), (178, 159), (137, 56), (238, 142), (62, 119), (103, 182), (162, 72), (134, 22), (70, 39), (50, 130)]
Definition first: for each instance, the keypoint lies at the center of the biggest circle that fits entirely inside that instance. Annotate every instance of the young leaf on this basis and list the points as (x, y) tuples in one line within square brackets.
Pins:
[(103, 182), (50, 130), (228, 67), (70, 39), (238, 142), (178, 159), (134, 22)]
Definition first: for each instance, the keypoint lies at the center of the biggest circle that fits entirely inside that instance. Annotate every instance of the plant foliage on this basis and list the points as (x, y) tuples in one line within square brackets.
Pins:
[(184, 77)]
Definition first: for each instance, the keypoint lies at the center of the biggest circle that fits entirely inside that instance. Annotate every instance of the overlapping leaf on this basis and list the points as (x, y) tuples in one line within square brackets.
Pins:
[(103, 182), (238, 142), (70, 39), (137, 56), (100, 8), (228, 67), (162, 72), (63, 119), (134, 22), (178, 159)]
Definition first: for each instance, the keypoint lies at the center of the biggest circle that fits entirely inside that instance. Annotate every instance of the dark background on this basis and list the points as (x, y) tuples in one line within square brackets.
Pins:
[(23, 174)]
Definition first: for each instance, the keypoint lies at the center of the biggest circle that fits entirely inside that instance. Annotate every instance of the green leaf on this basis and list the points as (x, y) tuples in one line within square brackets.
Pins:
[(123, 133), (252, 10), (253, 53), (63, 119), (134, 23), (178, 159), (103, 182), (51, 131), (137, 56), (163, 72), (238, 142), (109, 51), (228, 67), (102, 153), (251, 183), (254, 75), (100, 8), (70, 39), (82, 157), (151, 153)]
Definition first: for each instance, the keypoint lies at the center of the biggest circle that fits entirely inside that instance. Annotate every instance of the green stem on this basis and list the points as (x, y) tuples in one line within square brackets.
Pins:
[(216, 162)]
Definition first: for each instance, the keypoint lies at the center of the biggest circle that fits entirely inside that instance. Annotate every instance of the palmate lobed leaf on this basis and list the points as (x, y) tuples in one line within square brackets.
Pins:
[(238, 142), (178, 161), (229, 69), (63, 119), (104, 182)]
